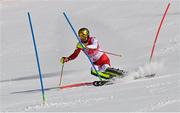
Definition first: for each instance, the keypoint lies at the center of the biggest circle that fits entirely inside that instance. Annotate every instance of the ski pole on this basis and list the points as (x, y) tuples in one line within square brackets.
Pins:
[(60, 81), (110, 53)]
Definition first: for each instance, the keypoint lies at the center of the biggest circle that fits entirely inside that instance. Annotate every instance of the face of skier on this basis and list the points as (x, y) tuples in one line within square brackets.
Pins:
[(83, 37), (83, 34)]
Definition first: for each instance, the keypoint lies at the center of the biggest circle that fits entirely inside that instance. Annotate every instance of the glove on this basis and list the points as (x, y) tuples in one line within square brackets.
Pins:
[(64, 59), (80, 46)]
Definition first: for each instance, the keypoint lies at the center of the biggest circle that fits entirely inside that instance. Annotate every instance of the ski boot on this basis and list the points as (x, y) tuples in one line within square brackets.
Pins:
[(115, 72), (103, 75)]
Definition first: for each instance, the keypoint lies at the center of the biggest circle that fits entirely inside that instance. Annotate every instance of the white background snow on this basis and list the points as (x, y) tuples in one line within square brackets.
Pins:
[(126, 27)]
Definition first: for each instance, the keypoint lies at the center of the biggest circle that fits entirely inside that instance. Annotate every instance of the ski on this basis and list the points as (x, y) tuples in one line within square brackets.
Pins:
[(77, 85), (93, 83), (103, 82)]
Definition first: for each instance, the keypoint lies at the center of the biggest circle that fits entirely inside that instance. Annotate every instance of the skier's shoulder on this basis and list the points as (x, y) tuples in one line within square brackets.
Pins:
[(92, 39)]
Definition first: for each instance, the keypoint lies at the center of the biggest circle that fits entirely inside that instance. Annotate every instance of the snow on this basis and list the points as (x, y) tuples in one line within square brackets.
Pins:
[(126, 27)]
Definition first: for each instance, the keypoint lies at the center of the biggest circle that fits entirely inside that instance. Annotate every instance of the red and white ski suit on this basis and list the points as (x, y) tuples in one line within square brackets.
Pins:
[(99, 59)]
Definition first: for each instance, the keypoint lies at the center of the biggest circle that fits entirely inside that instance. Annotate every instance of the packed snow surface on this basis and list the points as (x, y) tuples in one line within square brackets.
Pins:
[(125, 27)]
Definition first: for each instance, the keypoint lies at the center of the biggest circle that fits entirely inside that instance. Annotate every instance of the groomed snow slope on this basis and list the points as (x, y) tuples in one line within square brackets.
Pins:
[(126, 27)]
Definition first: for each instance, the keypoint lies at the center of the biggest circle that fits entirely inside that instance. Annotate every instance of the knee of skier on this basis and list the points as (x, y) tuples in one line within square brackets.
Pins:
[(104, 67)]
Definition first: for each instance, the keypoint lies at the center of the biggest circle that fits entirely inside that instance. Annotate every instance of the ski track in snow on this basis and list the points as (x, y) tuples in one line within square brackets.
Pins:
[(66, 104), (158, 105), (174, 46)]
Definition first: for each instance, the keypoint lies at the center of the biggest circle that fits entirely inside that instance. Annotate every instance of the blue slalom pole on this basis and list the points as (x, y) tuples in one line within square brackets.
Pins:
[(37, 58), (84, 49)]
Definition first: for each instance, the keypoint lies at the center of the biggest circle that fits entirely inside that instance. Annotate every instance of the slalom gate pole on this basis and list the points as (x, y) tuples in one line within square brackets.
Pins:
[(84, 49), (37, 58), (110, 53), (159, 28)]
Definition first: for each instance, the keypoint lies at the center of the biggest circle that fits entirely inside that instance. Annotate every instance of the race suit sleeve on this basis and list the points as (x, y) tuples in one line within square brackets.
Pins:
[(75, 54)]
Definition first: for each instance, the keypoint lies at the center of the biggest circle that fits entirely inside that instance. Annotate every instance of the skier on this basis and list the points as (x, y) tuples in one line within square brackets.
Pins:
[(100, 60)]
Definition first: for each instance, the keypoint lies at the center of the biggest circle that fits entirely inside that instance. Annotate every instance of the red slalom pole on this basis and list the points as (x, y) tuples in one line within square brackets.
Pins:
[(159, 28)]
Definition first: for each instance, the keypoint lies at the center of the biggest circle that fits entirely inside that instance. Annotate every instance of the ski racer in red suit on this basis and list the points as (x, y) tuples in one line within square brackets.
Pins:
[(100, 60)]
